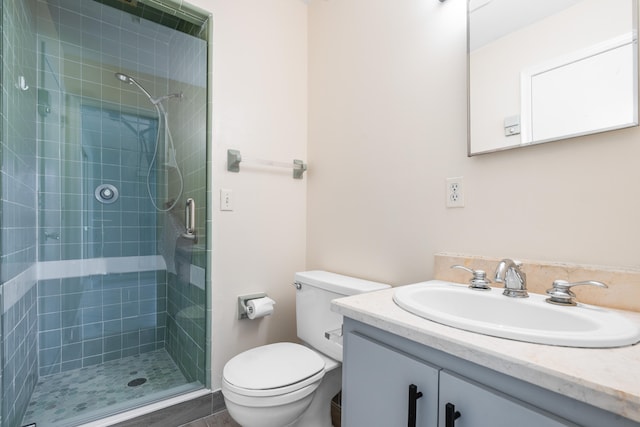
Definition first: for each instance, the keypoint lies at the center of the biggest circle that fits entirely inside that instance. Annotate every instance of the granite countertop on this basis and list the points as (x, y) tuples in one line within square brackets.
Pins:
[(605, 378)]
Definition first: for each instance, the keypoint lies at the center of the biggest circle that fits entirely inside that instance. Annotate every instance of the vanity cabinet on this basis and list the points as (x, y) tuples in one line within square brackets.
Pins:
[(379, 367)]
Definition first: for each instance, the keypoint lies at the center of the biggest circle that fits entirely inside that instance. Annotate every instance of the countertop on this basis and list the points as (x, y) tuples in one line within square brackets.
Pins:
[(605, 378)]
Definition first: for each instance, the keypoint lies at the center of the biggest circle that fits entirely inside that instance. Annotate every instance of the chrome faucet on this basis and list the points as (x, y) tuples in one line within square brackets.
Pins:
[(514, 279)]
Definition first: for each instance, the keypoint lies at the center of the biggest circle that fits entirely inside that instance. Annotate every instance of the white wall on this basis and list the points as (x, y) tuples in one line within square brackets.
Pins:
[(387, 125), (259, 108)]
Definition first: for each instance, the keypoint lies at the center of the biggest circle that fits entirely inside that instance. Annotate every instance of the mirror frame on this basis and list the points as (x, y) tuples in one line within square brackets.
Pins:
[(636, 71)]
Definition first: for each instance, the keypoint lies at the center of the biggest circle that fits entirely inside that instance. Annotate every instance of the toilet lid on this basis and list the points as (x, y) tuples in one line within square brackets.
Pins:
[(272, 366)]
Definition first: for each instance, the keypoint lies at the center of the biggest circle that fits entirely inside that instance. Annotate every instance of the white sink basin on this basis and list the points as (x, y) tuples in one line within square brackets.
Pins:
[(523, 319)]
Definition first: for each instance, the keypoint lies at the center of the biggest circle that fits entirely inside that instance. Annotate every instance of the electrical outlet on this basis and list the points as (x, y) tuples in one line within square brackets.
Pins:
[(226, 200), (455, 192)]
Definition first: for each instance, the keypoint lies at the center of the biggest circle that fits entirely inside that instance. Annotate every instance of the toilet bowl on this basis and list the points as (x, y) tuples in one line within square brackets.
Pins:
[(274, 385), (287, 384)]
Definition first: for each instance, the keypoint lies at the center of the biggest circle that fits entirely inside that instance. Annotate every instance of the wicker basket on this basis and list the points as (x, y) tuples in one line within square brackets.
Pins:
[(336, 410)]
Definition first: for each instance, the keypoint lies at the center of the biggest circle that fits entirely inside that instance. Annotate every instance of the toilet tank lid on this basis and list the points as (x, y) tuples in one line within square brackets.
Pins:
[(343, 285)]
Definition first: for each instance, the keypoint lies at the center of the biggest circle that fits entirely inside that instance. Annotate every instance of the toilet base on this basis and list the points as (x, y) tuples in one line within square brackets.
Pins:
[(319, 412), (270, 416)]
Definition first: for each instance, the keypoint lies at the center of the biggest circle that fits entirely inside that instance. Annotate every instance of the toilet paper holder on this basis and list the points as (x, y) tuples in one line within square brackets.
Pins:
[(242, 303)]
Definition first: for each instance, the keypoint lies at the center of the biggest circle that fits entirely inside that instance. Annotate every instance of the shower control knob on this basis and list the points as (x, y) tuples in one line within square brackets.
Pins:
[(106, 193)]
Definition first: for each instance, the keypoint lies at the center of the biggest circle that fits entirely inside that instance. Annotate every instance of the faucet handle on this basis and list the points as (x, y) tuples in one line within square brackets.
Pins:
[(479, 280), (561, 294)]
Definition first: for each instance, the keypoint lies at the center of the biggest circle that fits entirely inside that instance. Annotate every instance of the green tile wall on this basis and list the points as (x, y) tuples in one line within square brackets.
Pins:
[(186, 305), (85, 321)]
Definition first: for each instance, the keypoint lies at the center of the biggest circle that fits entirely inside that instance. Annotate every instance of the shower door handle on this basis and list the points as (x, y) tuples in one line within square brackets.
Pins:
[(190, 220), (190, 215)]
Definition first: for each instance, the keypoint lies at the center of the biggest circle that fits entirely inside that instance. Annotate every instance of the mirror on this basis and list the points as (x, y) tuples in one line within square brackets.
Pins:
[(545, 70)]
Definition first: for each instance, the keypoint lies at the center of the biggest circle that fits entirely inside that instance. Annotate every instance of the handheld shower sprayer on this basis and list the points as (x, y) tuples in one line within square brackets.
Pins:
[(123, 78), (168, 139)]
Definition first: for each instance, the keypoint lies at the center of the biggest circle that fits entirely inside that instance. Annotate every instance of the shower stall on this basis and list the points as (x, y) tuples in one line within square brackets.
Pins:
[(104, 200)]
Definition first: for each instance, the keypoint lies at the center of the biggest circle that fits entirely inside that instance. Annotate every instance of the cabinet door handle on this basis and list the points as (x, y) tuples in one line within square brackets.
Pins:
[(414, 395), (451, 415)]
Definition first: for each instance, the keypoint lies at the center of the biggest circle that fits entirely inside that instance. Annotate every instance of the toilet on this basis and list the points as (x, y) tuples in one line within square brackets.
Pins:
[(288, 384)]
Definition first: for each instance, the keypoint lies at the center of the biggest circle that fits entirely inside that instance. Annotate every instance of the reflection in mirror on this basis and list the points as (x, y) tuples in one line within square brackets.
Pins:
[(544, 70)]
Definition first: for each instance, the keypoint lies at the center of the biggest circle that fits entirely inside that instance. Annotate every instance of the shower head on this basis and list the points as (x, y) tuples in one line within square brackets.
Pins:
[(124, 78)]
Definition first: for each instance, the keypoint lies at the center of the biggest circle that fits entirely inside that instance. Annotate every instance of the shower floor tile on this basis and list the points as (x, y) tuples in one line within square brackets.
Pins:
[(80, 393)]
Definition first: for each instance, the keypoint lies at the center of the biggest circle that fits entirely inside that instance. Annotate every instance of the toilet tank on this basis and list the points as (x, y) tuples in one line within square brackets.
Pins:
[(314, 292)]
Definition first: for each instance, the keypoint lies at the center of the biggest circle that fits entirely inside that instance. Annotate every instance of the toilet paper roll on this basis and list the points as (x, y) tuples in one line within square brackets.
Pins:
[(259, 307)]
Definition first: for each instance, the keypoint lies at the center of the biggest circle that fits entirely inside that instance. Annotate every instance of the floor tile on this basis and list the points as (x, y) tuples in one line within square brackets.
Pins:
[(82, 391)]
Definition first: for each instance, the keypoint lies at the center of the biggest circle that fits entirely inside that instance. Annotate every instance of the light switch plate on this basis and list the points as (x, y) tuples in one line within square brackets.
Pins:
[(226, 200)]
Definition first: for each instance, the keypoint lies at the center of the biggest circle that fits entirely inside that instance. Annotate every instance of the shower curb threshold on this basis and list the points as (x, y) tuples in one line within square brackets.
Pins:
[(181, 407)]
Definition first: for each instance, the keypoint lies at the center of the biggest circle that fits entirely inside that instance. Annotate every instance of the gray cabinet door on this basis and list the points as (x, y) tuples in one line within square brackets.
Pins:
[(376, 381), (480, 406)]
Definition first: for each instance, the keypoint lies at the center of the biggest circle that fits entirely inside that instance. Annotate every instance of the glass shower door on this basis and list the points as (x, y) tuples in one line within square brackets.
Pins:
[(107, 297)]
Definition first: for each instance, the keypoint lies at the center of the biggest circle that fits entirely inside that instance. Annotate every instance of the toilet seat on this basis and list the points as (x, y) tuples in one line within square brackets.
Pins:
[(268, 401), (273, 370)]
